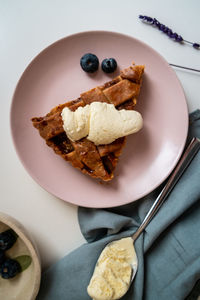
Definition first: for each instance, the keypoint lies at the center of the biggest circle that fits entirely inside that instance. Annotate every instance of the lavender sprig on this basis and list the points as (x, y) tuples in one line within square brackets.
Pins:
[(168, 31)]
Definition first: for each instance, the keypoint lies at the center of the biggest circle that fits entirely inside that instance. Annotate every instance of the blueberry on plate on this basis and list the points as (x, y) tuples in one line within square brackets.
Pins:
[(89, 62), (7, 239), (2, 256), (10, 268), (109, 65)]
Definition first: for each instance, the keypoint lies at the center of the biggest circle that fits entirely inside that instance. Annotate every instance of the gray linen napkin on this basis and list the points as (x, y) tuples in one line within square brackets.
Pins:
[(168, 250)]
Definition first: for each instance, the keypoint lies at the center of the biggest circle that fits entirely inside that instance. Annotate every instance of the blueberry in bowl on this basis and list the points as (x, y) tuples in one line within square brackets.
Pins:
[(109, 65), (9, 268), (89, 63), (7, 239)]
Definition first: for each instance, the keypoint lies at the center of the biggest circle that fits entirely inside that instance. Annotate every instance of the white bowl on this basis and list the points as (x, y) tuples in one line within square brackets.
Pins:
[(24, 286)]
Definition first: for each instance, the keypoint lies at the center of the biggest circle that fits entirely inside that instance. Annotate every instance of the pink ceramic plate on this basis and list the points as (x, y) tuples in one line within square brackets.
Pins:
[(55, 76)]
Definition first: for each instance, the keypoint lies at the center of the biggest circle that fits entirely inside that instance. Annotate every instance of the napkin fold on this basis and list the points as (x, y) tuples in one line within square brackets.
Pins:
[(168, 251)]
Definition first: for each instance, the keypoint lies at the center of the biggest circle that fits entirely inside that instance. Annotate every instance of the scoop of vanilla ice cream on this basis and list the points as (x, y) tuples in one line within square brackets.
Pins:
[(110, 280), (101, 122), (112, 274)]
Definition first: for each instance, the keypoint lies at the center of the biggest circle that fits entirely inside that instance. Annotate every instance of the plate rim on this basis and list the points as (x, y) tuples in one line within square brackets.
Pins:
[(76, 34)]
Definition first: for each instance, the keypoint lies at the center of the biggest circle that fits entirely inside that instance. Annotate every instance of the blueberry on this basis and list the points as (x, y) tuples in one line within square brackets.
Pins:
[(141, 17), (2, 257), (179, 38), (10, 268), (7, 239), (89, 62), (109, 65)]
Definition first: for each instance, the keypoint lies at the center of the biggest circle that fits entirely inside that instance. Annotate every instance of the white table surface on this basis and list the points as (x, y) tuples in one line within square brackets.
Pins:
[(27, 27)]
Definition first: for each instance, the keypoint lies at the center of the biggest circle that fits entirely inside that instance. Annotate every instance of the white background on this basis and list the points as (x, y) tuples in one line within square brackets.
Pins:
[(26, 28)]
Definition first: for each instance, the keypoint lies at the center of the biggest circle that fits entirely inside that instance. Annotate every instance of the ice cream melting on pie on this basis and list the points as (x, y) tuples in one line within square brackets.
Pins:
[(100, 122), (92, 158)]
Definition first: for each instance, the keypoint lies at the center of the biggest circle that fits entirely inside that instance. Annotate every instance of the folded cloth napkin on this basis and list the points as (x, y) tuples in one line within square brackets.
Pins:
[(168, 250)]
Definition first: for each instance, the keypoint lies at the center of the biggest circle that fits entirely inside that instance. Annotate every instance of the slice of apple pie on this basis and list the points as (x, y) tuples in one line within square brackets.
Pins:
[(98, 161)]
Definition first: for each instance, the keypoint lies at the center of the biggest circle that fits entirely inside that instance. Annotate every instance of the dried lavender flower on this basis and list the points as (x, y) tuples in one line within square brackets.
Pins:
[(168, 31), (196, 45)]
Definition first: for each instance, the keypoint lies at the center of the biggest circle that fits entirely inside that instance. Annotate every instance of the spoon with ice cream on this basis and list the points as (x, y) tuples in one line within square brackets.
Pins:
[(102, 123), (117, 264)]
